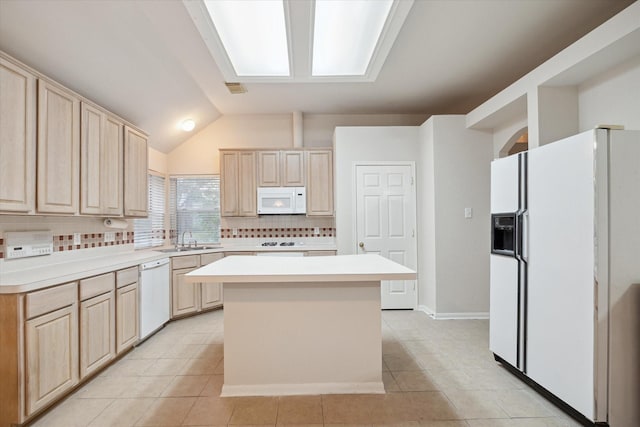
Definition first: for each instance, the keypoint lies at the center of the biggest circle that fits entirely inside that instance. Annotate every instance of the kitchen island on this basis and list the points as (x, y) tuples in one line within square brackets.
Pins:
[(302, 325)]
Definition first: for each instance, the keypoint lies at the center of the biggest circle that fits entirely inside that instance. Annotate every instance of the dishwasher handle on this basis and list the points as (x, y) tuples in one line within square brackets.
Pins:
[(154, 264)]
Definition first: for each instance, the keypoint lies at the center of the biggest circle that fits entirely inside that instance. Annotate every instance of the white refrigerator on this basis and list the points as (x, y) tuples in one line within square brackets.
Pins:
[(565, 259)]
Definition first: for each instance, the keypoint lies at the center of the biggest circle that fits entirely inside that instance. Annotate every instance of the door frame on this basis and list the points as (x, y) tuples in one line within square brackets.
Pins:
[(354, 208)]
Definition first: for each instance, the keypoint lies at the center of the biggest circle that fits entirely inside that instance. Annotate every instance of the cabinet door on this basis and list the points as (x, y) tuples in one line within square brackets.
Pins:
[(58, 169), (92, 124), (319, 182), (185, 296), (126, 317), (268, 168), (135, 173), (247, 184), (229, 171), (97, 332), (292, 168), (211, 292), (17, 138), (51, 356), (111, 167), (211, 295)]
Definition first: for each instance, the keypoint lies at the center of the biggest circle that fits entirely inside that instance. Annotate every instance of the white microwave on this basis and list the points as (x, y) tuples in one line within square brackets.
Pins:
[(282, 200)]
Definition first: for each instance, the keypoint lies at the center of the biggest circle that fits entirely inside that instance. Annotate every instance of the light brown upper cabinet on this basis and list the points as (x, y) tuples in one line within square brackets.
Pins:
[(268, 168), (101, 162), (17, 138), (135, 173), (238, 183), (319, 182), (280, 168), (292, 168), (58, 149)]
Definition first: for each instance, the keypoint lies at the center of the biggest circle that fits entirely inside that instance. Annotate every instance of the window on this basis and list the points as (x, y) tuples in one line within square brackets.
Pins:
[(149, 232), (195, 208)]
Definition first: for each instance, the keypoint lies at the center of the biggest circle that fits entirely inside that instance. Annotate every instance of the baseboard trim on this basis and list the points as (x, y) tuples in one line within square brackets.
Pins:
[(454, 316), (300, 389)]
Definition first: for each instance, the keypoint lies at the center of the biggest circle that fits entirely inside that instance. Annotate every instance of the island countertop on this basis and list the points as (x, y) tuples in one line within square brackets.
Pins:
[(339, 268)]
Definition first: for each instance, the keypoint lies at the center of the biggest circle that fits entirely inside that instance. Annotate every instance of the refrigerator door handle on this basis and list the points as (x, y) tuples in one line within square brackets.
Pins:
[(524, 236), (517, 250)]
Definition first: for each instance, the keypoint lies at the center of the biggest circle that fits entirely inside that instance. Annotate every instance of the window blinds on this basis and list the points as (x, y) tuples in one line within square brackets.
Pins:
[(149, 232), (194, 203)]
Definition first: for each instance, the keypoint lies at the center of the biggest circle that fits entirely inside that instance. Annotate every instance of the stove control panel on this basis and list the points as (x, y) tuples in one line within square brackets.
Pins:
[(22, 244)]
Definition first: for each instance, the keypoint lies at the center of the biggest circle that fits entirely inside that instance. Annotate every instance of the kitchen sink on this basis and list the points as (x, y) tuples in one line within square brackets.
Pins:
[(186, 249)]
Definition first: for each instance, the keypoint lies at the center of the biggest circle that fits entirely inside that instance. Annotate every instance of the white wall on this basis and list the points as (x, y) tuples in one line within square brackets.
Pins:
[(504, 134), (199, 154), (319, 128), (158, 161), (461, 160), (612, 98), (426, 219), (353, 144)]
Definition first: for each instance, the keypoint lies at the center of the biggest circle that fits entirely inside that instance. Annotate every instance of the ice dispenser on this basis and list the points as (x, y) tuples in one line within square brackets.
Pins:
[(503, 234)]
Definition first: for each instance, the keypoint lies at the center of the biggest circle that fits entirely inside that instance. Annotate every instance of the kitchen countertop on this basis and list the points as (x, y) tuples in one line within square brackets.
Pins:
[(342, 268), (30, 274)]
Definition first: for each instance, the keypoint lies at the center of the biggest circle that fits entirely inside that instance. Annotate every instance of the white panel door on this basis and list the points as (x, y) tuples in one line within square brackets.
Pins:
[(560, 347), (385, 224)]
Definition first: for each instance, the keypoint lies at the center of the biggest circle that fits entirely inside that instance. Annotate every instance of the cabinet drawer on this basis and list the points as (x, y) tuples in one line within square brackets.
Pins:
[(209, 258), (188, 261), (51, 299), (96, 285), (319, 253), (126, 277)]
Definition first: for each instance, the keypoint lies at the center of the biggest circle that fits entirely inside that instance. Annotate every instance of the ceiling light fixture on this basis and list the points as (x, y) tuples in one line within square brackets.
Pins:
[(254, 35), (345, 35), (188, 125)]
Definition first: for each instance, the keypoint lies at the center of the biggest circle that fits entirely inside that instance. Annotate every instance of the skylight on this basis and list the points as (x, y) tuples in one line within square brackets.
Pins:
[(254, 35), (346, 34)]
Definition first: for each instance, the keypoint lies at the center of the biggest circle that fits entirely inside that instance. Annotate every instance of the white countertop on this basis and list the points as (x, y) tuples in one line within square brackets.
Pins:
[(30, 274), (339, 268), (30, 279)]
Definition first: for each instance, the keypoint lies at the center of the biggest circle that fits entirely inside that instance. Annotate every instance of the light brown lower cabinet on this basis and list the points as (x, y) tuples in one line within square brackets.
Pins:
[(97, 332), (185, 296), (51, 356), (126, 317), (190, 298)]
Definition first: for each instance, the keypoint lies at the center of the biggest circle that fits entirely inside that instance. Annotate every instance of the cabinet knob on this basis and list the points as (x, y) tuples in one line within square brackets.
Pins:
[(361, 244)]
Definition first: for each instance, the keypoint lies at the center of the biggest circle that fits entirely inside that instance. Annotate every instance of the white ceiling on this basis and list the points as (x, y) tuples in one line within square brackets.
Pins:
[(146, 61)]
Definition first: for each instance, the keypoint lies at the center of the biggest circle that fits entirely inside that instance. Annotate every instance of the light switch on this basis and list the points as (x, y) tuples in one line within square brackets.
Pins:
[(468, 212), (234, 231), (316, 231)]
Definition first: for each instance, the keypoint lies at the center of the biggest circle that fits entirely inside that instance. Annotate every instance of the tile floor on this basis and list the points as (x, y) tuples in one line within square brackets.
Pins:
[(436, 373)]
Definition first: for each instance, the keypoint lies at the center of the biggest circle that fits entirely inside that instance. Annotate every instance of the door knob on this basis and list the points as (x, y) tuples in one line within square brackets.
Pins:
[(361, 244)]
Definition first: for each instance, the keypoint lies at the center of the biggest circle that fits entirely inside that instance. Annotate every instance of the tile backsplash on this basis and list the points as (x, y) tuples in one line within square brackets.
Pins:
[(92, 229), (276, 226), (63, 228)]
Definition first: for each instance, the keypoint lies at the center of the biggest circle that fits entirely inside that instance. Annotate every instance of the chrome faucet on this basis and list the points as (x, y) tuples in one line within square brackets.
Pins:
[(183, 233)]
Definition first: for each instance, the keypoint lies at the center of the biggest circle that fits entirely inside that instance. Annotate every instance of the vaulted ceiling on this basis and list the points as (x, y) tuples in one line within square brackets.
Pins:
[(146, 61)]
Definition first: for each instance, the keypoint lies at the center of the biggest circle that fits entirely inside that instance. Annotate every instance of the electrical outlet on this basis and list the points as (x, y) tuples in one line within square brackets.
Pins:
[(109, 236), (468, 212), (234, 231), (316, 231), (77, 238)]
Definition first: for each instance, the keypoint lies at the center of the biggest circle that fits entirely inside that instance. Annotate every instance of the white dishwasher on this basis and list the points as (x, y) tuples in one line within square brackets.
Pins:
[(155, 292)]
